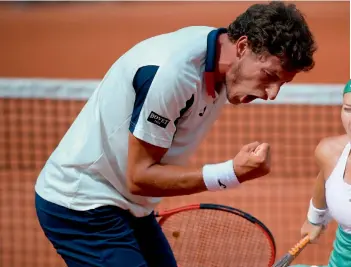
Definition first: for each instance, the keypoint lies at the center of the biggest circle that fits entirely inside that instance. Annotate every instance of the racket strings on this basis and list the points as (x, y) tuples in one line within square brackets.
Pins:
[(205, 238)]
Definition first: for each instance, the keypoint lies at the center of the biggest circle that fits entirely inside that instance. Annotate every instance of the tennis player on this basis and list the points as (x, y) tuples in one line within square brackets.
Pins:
[(130, 144), (331, 198)]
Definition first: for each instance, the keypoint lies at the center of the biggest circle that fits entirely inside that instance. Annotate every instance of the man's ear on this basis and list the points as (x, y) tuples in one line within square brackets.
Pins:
[(242, 46)]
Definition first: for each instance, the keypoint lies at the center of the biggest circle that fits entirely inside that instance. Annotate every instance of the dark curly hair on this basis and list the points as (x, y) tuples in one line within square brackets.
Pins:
[(279, 29)]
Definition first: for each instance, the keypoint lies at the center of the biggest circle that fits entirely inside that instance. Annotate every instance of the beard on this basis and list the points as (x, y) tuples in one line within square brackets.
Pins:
[(231, 82), (238, 89)]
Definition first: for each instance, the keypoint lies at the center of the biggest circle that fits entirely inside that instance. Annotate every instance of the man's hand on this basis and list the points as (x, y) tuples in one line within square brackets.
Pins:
[(252, 161)]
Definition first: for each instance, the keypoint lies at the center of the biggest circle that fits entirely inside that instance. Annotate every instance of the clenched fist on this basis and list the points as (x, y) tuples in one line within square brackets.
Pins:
[(252, 161)]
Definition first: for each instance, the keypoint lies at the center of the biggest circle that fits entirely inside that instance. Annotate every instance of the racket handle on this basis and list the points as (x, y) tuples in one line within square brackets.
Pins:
[(294, 251)]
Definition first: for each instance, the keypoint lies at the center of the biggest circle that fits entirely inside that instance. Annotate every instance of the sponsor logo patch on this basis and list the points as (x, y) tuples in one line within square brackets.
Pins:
[(158, 120)]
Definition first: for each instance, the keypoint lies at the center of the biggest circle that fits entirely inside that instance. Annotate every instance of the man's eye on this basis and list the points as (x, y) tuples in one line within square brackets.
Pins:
[(266, 75), (270, 76)]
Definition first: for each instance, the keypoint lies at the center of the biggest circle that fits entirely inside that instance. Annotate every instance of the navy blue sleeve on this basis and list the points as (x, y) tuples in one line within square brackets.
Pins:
[(162, 96)]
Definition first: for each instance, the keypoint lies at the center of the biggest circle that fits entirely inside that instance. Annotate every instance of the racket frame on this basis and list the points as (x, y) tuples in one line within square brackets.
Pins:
[(164, 214)]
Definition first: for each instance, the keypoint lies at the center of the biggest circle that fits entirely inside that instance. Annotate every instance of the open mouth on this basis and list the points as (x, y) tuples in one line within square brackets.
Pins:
[(248, 98)]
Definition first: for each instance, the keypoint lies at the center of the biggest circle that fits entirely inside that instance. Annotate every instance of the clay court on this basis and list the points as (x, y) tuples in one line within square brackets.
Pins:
[(82, 40)]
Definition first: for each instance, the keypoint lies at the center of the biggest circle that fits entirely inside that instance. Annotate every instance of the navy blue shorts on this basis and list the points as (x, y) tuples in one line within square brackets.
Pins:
[(104, 237)]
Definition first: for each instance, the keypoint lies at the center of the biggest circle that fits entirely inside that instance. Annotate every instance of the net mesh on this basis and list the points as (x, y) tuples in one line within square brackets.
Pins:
[(32, 125)]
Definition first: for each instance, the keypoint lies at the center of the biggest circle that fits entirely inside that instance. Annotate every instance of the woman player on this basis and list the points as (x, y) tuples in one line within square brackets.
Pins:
[(332, 192)]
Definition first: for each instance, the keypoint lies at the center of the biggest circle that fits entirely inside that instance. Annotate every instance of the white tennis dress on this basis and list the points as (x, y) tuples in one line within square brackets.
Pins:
[(338, 193), (338, 198)]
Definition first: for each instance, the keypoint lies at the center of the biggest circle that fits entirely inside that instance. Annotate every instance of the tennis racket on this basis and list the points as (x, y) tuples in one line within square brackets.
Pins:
[(293, 253), (211, 235)]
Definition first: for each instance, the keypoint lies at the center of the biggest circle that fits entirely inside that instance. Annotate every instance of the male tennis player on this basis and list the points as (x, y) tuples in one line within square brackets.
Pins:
[(129, 145), (331, 198)]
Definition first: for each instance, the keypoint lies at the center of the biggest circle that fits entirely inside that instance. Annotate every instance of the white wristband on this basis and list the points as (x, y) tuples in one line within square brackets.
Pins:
[(220, 176), (317, 216)]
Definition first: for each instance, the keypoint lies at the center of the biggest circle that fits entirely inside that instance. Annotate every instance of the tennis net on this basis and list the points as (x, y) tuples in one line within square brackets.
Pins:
[(35, 113)]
